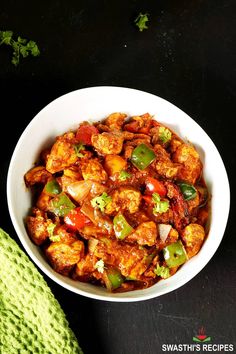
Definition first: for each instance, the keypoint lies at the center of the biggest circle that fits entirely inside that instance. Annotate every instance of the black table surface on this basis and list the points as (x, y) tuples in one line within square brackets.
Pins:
[(187, 56)]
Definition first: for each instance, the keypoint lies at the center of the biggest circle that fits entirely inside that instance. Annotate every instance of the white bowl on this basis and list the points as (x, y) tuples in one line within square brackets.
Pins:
[(93, 104)]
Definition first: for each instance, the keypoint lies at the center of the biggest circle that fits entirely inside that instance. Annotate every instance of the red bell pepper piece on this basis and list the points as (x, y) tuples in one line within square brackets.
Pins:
[(135, 126), (85, 132), (147, 198), (155, 186), (76, 220)]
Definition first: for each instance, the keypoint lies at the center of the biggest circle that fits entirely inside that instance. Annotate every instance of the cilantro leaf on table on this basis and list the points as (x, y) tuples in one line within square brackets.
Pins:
[(141, 21), (21, 46), (5, 37)]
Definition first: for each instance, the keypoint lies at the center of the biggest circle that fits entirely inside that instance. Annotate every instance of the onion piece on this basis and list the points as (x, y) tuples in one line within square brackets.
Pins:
[(103, 221), (79, 190), (92, 244), (95, 215), (164, 230), (88, 210), (97, 189)]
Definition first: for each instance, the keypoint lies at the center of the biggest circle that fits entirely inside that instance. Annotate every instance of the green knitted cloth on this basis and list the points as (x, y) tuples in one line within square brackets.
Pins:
[(31, 319)]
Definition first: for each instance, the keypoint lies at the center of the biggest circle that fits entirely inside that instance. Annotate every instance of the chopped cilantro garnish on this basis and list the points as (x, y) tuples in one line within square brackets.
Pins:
[(51, 228), (161, 271), (55, 238), (52, 237), (124, 175), (78, 148), (164, 134), (160, 206), (21, 47), (101, 202), (156, 198), (141, 21)]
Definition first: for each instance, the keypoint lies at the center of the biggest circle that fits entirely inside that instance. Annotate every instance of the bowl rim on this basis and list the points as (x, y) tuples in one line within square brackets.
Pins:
[(57, 277)]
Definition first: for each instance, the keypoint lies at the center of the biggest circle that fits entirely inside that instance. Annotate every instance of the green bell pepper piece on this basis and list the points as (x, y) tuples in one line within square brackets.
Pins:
[(121, 227), (161, 271), (61, 205), (175, 254), (142, 156), (115, 278), (53, 187), (189, 192)]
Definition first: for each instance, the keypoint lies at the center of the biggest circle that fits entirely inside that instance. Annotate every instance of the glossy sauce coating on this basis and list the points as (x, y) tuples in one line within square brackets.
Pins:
[(121, 203)]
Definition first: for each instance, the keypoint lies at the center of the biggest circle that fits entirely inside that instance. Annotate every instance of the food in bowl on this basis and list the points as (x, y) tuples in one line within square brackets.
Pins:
[(121, 203)]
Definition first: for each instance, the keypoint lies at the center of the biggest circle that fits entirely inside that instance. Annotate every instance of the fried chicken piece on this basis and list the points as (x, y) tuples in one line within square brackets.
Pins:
[(193, 236), (191, 166), (64, 256), (131, 260), (37, 174), (93, 170), (37, 225), (145, 234), (124, 198), (108, 143), (163, 163), (62, 154), (115, 120)]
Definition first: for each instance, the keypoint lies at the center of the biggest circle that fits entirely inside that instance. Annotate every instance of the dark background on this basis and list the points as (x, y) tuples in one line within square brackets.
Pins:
[(187, 56)]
